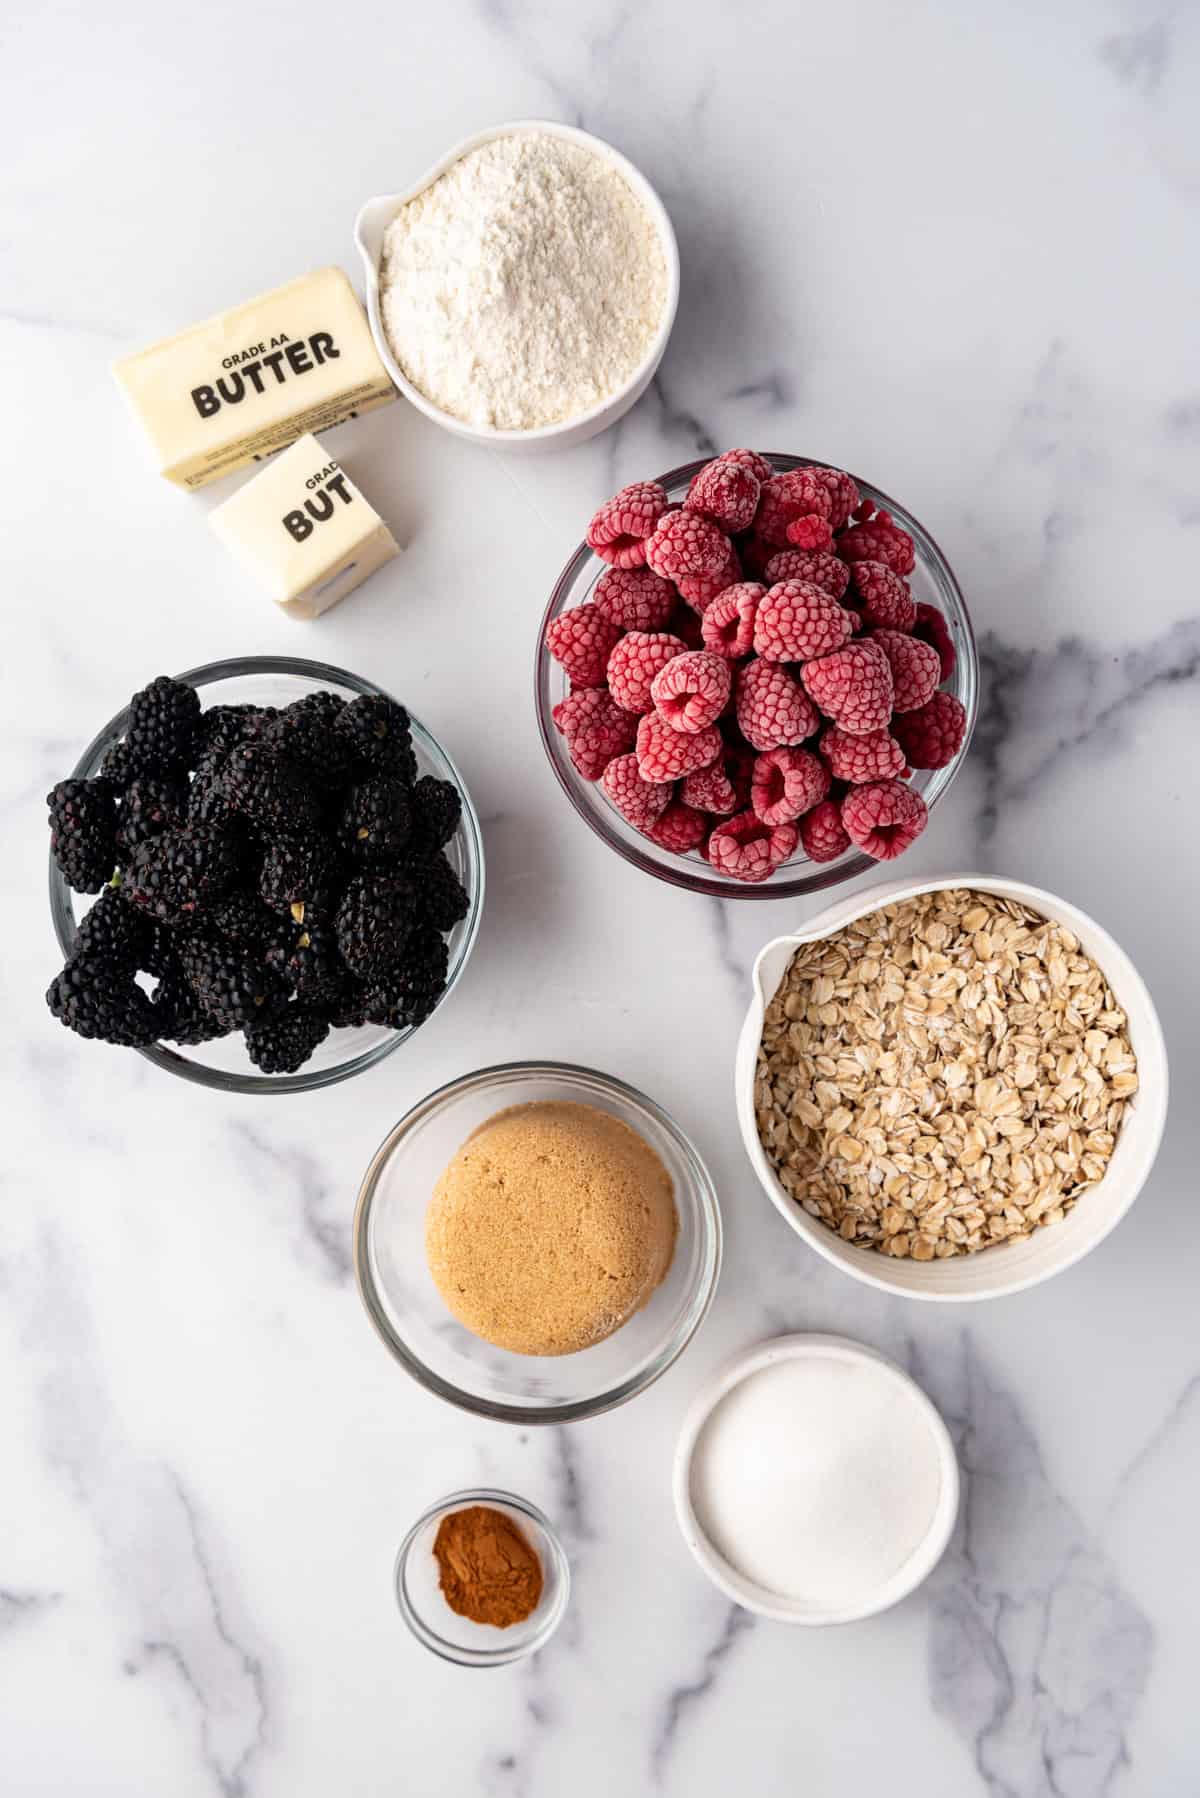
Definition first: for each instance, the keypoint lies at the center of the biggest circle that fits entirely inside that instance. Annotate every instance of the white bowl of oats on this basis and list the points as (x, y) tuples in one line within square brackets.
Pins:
[(951, 1089)]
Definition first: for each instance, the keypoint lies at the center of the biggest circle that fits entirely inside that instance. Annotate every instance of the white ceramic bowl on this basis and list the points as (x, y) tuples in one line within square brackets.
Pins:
[(377, 214), (1010, 1267), (746, 1592)]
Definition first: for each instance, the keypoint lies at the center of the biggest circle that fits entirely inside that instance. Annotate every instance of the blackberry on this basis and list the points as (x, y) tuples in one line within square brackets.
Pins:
[(348, 1011), (405, 997), (234, 985), (375, 819), (283, 1044), (375, 731), (96, 999), (436, 810), (444, 899), (83, 832), (117, 766), (151, 805), (312, 967), (241, 918), (373, 922), (161, 734), (179, 1016), (306, 733), (297, 871), (178, 874), (224, 725), (113, 933), (271, 792)]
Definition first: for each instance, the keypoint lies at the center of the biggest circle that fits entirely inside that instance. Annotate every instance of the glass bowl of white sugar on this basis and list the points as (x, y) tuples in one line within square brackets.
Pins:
[(522, 292)]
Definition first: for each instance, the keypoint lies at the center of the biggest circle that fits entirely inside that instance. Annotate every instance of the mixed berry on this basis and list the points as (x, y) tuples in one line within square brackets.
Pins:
[(752, 678)]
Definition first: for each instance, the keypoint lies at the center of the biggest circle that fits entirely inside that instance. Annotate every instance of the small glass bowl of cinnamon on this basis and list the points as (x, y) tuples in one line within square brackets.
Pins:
[(482, 1554)]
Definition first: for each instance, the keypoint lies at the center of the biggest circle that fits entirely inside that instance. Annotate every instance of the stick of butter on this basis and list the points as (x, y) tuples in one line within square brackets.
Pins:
[(304, 530), (232, 390)]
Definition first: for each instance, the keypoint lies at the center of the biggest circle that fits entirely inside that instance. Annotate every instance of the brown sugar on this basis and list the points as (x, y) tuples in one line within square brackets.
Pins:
[(551, 1226), (486, 1569)]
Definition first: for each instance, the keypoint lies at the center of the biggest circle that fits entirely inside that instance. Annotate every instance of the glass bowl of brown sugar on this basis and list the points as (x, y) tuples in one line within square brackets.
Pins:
[(482, 1579)]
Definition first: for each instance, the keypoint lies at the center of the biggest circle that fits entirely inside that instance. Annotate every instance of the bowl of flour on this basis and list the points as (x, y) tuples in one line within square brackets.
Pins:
[(521, 294)]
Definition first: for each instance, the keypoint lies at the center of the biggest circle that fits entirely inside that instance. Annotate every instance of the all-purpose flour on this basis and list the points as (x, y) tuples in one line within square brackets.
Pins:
[(525, 285)]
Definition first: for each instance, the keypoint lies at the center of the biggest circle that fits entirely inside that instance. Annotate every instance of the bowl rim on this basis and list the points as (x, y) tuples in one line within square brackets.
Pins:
[(1153, 1094), (220, 1079), (760, 1599), (708, 1211), (637, 381), (502, 1656), (693, 876)]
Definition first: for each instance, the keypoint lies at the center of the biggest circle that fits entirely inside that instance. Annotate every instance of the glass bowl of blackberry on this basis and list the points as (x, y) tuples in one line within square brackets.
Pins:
[(801, 774), (265, 876)]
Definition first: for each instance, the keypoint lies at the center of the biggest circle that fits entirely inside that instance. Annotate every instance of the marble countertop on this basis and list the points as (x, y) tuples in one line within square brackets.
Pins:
[(954, 249)]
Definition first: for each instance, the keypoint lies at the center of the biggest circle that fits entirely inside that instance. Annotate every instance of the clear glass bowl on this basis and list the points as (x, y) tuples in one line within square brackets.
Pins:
[(277, 681), (408, 1312), (931, 581), (458, 1639)]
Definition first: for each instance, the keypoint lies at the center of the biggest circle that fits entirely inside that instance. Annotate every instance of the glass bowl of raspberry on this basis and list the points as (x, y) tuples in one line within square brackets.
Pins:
[(224, 1062), (774, 703)]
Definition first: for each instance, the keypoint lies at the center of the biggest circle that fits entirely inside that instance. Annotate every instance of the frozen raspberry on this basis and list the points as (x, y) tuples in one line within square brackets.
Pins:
[(582, 641), (878, 539), (684, 543), (758, 465), (728, 625), (932, 736), (853, 686), (664, 753), (796, 621), (634, 663), (634, 599), (816, 565), (863, 510), (786, 783), (809, 532), (620, 528), (822, 832), (883, 598), (747, 849), (932, 628), (786, 497), (690, 692), (916, 670), (773, 710), (877, 756), (843, 494), (596, 729), (639, 801), (884, 818), (710, 790), (726, 492), (701, 589), (679, 828)]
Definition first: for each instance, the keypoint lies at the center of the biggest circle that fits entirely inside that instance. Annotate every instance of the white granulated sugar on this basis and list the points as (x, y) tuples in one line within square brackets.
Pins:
[(525, 285), (817, 1479)]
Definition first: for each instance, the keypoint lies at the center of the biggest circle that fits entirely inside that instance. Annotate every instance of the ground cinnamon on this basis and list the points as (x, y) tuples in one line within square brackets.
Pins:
[(488, 1571)]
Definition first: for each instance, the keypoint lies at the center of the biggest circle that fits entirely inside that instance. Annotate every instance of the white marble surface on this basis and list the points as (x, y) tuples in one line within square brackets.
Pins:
[(953, 248)]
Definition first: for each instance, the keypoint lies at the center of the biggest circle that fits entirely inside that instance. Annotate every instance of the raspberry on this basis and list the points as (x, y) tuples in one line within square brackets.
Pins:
[(786, 497), (916, 670), (679, 828), (932, 736), (701, 589), (786, 783), (684, 543), (747, 849), (634, 599), (932, 628), (853, 686), (634, 663), (883, 598), (664, 753), (843, 494), (878, 539), (690, 692), (773, 710), (884, 818), (816, 565), (797, 621), (619, 530), (877, 756), (809, 532), (726, 492), (596, 729), (822, 832), (639, 801), (758, 465), (582, 641), (727, 627), (710, 790)]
